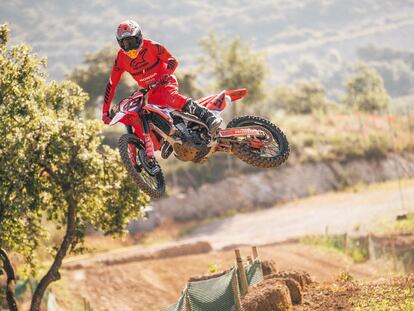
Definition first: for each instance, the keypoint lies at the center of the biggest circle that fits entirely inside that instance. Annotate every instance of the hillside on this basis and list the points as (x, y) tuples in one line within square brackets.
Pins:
[(302, 39)]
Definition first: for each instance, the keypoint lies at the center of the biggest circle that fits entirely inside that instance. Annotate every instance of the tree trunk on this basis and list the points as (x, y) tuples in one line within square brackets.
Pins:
[(11, 280), (53, 274)]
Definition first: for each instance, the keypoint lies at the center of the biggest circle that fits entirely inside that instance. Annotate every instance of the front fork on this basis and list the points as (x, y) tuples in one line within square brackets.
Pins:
[(132, 150), (149, 145)]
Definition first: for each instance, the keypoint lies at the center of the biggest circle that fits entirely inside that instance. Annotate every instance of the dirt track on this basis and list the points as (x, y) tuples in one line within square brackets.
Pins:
[(340, 212), (152, 284)]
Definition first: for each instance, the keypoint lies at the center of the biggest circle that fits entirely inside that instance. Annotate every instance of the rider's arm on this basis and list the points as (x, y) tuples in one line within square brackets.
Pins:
[(165, 56), (116, 74)]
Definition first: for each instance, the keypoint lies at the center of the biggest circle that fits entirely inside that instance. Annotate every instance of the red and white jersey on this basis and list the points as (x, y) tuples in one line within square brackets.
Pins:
[(152, 62)]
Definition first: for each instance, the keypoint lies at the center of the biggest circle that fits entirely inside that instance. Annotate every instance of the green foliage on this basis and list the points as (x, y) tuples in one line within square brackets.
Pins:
[(394, 295), (405, 225), (345, 276), (49, 159), (352, 247), (93, 76), (343, 137), (213, 268), (366, 91), (303, 97), (234, 65), (187, 83)]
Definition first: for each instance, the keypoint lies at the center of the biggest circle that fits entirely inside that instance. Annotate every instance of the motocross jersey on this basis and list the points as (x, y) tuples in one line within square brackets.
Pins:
[(153, 61)]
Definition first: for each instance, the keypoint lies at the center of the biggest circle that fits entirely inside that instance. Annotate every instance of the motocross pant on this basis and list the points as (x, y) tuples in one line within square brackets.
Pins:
[(167, 95)]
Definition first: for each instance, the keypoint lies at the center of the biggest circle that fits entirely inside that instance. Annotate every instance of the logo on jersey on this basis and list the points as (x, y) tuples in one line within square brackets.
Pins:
[(140, 61)]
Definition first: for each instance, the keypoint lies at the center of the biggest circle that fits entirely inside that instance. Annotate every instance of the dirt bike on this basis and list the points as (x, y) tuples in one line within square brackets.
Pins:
[(153, 128)]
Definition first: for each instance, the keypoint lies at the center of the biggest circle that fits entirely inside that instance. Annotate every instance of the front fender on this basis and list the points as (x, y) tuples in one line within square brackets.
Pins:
[(119, 116)]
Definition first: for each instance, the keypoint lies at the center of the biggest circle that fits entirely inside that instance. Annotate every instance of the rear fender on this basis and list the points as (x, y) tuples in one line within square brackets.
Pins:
[(237, 94), (219, 101)]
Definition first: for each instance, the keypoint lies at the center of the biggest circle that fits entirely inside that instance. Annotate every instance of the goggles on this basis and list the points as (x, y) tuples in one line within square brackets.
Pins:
[(130, 43)]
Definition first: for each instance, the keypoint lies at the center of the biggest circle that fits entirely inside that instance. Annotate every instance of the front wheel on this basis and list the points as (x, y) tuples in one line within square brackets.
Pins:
[(270, 151), (133, 155)]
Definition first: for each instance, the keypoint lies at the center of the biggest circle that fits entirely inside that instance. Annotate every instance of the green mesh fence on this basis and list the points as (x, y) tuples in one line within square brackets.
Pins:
[(179, 306), (209, 295), (216, 294), (254, 272), (212, 295)]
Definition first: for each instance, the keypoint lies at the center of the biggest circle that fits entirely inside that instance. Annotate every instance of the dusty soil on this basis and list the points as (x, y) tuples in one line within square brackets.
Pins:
[(282, 292), (155, 283), (390, 294), (152, 284)]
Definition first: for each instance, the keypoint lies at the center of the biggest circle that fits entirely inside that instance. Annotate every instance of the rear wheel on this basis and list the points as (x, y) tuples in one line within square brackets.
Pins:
[(133, 155), (270, 151)]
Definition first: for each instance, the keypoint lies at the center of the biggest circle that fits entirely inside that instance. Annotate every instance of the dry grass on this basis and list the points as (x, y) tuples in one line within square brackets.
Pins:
[(341, 137)]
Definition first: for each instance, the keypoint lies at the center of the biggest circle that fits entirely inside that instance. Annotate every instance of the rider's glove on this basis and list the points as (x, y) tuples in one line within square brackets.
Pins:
[(105, 118), (165, 78)]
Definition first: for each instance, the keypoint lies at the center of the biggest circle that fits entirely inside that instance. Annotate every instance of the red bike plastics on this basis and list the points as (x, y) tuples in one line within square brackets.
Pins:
[(252, 139)]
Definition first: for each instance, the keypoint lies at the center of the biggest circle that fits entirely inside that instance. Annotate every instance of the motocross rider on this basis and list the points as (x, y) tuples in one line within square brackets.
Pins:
[(149, 62)]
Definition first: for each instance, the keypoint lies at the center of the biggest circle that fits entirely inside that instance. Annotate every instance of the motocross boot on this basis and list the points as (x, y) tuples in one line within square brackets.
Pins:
[(205, 115)]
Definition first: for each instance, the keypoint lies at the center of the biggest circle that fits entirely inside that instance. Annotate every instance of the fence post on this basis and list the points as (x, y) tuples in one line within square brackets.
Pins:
[(346, 243), (371, 247), (255, 253), (235, 286), (187, 304), (394, 254), (242, 272), (255, 256)]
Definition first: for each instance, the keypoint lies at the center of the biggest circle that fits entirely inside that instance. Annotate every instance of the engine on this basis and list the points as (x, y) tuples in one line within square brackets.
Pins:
[(195, 139)]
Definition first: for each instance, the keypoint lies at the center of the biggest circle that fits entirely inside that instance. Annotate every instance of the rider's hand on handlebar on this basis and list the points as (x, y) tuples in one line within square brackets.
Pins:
[(105, 118), (165, 78)]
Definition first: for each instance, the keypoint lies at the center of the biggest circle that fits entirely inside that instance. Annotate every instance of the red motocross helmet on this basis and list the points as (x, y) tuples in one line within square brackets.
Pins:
[(129, 35)]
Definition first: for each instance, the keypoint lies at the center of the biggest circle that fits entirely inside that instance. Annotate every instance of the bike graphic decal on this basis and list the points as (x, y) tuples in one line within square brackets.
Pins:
[(240, 132), (164, 113)]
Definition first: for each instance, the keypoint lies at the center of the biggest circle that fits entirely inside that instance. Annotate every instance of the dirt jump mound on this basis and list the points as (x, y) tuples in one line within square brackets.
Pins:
[(277, 292)]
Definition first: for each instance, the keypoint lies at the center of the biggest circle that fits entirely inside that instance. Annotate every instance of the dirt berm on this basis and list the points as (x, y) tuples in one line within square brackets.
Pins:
[(281, 184), (294, 291)]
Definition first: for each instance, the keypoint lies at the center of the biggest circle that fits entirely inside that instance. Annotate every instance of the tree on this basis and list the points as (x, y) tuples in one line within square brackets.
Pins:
[(234, 65), (365, 91), (93, 76), (303, 97), (50, 166), (187, 84)]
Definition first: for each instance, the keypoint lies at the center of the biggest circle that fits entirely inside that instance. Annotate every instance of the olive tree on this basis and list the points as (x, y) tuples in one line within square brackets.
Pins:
[(303, 97), (52, 167), (235, 65), (93, 75), (365, 91)]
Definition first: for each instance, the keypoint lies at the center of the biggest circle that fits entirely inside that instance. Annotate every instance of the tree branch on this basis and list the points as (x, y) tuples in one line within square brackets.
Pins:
[(11, 280), (53, 274)]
